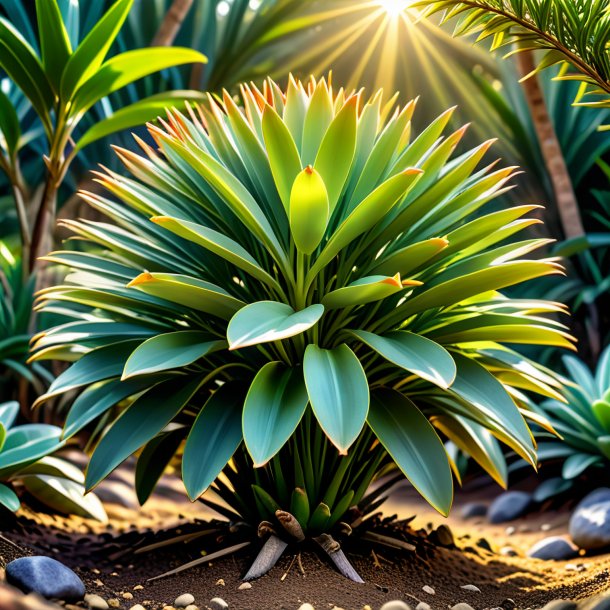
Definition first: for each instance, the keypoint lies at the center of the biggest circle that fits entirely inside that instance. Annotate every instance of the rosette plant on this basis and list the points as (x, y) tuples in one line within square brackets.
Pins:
[(307, 293)]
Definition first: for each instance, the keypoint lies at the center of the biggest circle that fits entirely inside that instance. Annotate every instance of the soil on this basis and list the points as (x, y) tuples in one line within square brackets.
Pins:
[(103, 556)]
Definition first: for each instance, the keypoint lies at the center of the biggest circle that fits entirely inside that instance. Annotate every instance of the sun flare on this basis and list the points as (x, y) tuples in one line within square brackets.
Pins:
[(394, 7)]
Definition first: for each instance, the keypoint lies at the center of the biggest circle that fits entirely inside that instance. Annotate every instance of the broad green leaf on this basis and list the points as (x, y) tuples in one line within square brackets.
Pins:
[(408, 259), (601, 409), (96, 365), (25, 444), (218, 243), (338, 391), (365, 290), (98, 398), (283, 155), (170, 351), (309, 210), (318, 118), (575, 465), (215, 436), (462, 288), (2, 435), (368, 212), (477, 442), (274, 407), (9, 124), (267, 321), (54, 466), (189, 292), (336, 153), (91, 52), (8, 498), (8, 413), (138, 424), (154, 459), (412, 352), (138, 113), (54, 42), (479, 388), (128, 67), (65, 496), (414, 445), (21, 64)]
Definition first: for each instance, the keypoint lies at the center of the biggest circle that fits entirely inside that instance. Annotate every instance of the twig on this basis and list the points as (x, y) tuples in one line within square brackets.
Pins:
[(300, 564), (13, 544), (283, 578), (375, 560)]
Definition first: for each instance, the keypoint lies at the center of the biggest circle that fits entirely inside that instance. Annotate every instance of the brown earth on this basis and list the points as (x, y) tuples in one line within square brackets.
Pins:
[(103, 556)]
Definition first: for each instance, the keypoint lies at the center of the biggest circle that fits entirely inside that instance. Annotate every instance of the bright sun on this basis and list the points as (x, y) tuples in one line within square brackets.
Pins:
[(394, 7)]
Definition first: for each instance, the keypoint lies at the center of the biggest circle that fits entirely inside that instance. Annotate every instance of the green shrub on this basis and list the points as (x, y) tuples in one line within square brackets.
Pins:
[(25, 457), (583, 421), (307, 287)]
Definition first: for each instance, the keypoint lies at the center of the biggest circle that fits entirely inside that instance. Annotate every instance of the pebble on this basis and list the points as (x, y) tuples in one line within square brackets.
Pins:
[(429, 590), (509, 506), (546, 527), (473, 509), (114, 603), (483, 543), (137, 607), (510, 530), (508, 551), (244, 586), (220, 582), (462, 606), (127, 595), (555, 548), (138, 588), (590, 522), (472, 588), (444, 535), (423, 606), (306, 607), (575, 567), (395, 604), (192, 607), (96, 602), (184, 600), (217, 603), (508, 604), (45, 576)]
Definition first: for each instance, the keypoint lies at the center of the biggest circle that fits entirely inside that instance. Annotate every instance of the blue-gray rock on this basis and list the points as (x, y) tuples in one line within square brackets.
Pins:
[(473, 509), (601, 494), (599, 602), (45, 576), (509, 506), (590, 525), (557, 548)]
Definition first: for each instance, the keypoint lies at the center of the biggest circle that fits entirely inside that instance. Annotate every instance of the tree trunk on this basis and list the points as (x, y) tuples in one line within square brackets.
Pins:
[(565, 199), (170, 26)]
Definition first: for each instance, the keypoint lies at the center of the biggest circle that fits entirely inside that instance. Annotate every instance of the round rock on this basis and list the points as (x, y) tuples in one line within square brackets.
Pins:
[(423, 606), (217, 603), (184, 600), (599, 602), (462, 606), (96, 602), (555, 548), (306, 607), (509, 506), (473, 509), (590, 526), (395, 604), (45, 576)]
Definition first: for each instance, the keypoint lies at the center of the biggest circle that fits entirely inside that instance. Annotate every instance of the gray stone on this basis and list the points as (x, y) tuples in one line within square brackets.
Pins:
[(217, 603), (509, 506), (184, 600), (590, 525), (508, 604), (45, 576), (560, 604), (96, 602), (508, 551), (429, 590), (601, 494), (472, 588), (395, 604), (556, 548), (423, 606), (473, 509), (444, 535)]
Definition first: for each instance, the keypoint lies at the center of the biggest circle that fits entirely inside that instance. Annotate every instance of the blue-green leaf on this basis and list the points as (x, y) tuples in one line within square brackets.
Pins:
[(338, 391)]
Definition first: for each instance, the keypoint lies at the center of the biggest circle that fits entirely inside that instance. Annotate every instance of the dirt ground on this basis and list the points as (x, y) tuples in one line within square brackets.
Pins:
[(104, 558)]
